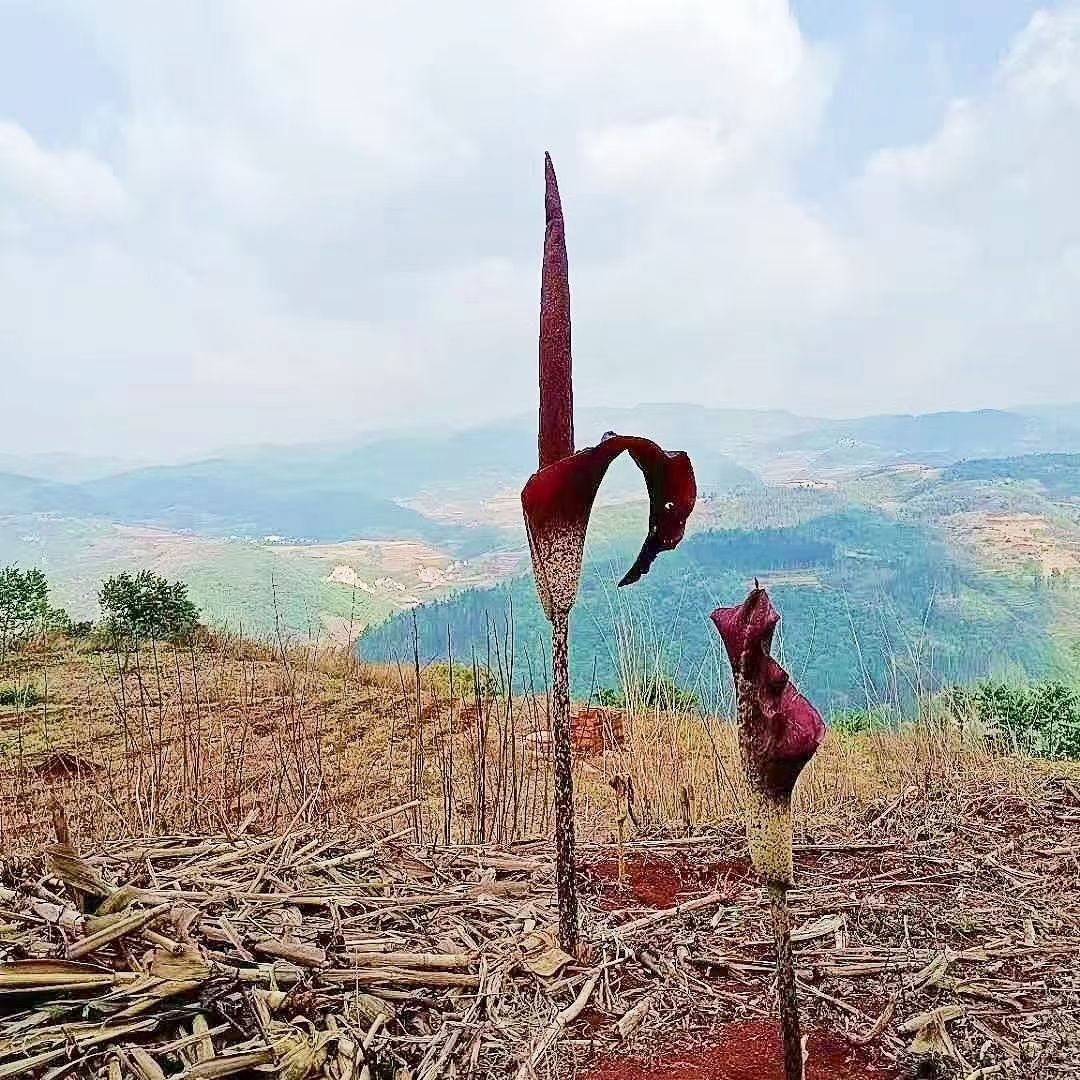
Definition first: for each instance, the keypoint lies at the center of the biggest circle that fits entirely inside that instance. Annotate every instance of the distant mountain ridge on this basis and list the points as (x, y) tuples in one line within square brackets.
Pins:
[(223, 499), (359, 489), (63, 468), (932, 438), (32, 495)]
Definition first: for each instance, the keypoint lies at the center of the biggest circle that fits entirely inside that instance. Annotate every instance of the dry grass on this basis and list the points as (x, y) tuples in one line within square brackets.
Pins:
[(237, 733), (311, 955), (345, 797)]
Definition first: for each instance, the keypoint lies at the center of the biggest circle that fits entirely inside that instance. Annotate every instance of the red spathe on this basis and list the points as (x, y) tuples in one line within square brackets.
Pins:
[(782, 729)]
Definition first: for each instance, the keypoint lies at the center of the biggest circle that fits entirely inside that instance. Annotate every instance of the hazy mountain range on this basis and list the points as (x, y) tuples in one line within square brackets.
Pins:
[(330, 538), (341, 492)]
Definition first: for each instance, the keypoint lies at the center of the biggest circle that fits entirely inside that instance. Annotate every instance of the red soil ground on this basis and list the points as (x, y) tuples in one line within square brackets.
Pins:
[(748, 1050), (661, 883)]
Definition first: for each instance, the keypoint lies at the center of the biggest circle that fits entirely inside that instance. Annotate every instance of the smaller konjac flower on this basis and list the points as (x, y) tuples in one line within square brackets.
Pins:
[(779, 730)]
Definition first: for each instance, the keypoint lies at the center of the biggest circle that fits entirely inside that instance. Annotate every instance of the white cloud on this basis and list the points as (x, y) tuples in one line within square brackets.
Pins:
[(314, 218), (965, 245), (667, 155), (66, 182)]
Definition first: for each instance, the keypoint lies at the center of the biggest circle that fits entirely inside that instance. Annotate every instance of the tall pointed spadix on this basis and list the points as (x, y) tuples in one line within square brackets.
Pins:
[(558, 498), (556, 383)]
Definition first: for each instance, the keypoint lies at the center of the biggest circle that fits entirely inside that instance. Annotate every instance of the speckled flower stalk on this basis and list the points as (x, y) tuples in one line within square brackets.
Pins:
[(779, 730), (557, 501)]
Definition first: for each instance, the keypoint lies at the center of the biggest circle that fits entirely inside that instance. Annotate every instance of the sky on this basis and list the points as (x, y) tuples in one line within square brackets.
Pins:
[(236, 221)]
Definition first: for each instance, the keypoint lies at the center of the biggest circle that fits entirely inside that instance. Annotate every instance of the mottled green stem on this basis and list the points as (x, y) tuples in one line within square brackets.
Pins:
[(565, 878), (785, 983)]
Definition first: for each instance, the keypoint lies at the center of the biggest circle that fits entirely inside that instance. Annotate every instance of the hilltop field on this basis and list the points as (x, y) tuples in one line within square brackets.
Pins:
[(365, 848)]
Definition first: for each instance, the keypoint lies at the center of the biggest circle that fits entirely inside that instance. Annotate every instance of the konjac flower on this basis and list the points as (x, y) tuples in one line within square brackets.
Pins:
[(557, 501), (779, 730), (558, 498)]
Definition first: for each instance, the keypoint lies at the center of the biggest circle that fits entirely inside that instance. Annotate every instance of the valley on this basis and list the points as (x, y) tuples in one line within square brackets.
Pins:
[(905, 557)]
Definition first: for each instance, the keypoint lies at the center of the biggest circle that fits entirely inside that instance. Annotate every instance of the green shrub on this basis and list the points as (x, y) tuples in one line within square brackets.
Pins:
[(20, 697), (58, 621), (860, 721), (435, 681), (1041, 719), (24, 604), (656, 692), (146, 606)]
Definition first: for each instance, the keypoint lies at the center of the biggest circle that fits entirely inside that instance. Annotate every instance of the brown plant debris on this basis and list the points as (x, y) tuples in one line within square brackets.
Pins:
[(931, 943)]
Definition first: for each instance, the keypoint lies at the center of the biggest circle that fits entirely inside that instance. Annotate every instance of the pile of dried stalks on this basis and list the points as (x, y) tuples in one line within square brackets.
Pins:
[(206, 957), (936, 934)]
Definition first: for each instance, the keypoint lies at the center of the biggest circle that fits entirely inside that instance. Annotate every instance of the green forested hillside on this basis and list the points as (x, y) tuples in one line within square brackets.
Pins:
[(874, 610), (1058, 475)]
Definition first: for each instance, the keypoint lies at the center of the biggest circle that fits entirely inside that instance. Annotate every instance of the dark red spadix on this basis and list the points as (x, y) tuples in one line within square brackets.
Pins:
[(556, 437)]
